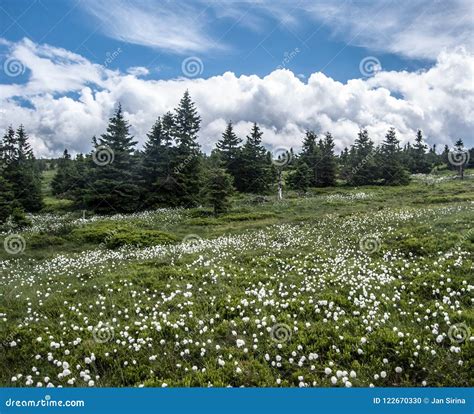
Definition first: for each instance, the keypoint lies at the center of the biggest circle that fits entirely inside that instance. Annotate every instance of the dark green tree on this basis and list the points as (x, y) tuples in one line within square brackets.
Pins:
[(254, 174), (228, 147), (390, 167), (363, 168), (219, 190), (20, 170), (64, 180), (300, 178), (187, 172), (310, 154), (326, 168), (158, 181), (420, 162), (113, 182)]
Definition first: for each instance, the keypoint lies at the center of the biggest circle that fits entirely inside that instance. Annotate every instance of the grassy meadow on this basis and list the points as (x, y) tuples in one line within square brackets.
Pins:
[(368, 286)]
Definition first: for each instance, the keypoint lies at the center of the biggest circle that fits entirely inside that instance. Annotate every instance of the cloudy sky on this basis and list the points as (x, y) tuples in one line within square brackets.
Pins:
[(289, 65)]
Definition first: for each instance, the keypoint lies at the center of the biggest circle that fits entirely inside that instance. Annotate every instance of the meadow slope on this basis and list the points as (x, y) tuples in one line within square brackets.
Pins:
[(345, 287)]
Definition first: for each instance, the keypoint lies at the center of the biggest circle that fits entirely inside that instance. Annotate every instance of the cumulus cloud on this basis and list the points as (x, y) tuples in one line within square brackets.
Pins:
[(67, 99)]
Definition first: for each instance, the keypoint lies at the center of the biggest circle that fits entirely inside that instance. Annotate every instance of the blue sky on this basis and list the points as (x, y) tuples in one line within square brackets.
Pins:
[(249, 40), (289, 65)]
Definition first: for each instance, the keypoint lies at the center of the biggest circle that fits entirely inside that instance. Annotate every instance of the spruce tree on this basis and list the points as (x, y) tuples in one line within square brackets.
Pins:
[(64, 180), (256, 164), (420, 163), (390, 167), (158, 183), (310, 155), (326, 168), (228, 147), (113, 181), (300, 178), (363, 168), (219, 189), (187, 160), (460, 157), (20, 170)]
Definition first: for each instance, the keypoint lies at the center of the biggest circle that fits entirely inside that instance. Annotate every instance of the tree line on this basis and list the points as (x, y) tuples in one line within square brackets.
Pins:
[(172, 171)]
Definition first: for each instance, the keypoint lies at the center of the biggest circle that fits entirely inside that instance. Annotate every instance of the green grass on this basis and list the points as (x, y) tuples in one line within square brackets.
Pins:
[(368, 279)]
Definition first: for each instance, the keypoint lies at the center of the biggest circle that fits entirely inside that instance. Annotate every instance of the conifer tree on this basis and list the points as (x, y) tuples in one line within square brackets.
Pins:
[(363, 169), (310, 155), (326, 168), (187, 159), (300, 178), (20, 170), (228, 147), (219, 189), (64, 180), (256, 163), (390, 167), (113, 182), (420, 163), (157, 165)]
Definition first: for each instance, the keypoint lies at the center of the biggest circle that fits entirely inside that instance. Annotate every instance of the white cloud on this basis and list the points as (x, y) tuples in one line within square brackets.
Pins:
[(138, 71), (70, 99), (179, 27), (415, 28)]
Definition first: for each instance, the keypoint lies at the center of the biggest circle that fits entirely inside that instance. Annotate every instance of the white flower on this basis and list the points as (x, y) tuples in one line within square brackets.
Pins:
[(327, 371), (398, 370), (383, 374), (240, 343)]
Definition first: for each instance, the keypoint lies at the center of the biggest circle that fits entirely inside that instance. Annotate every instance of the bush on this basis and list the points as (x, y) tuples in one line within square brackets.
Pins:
[(248, 216), (112, 235)]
